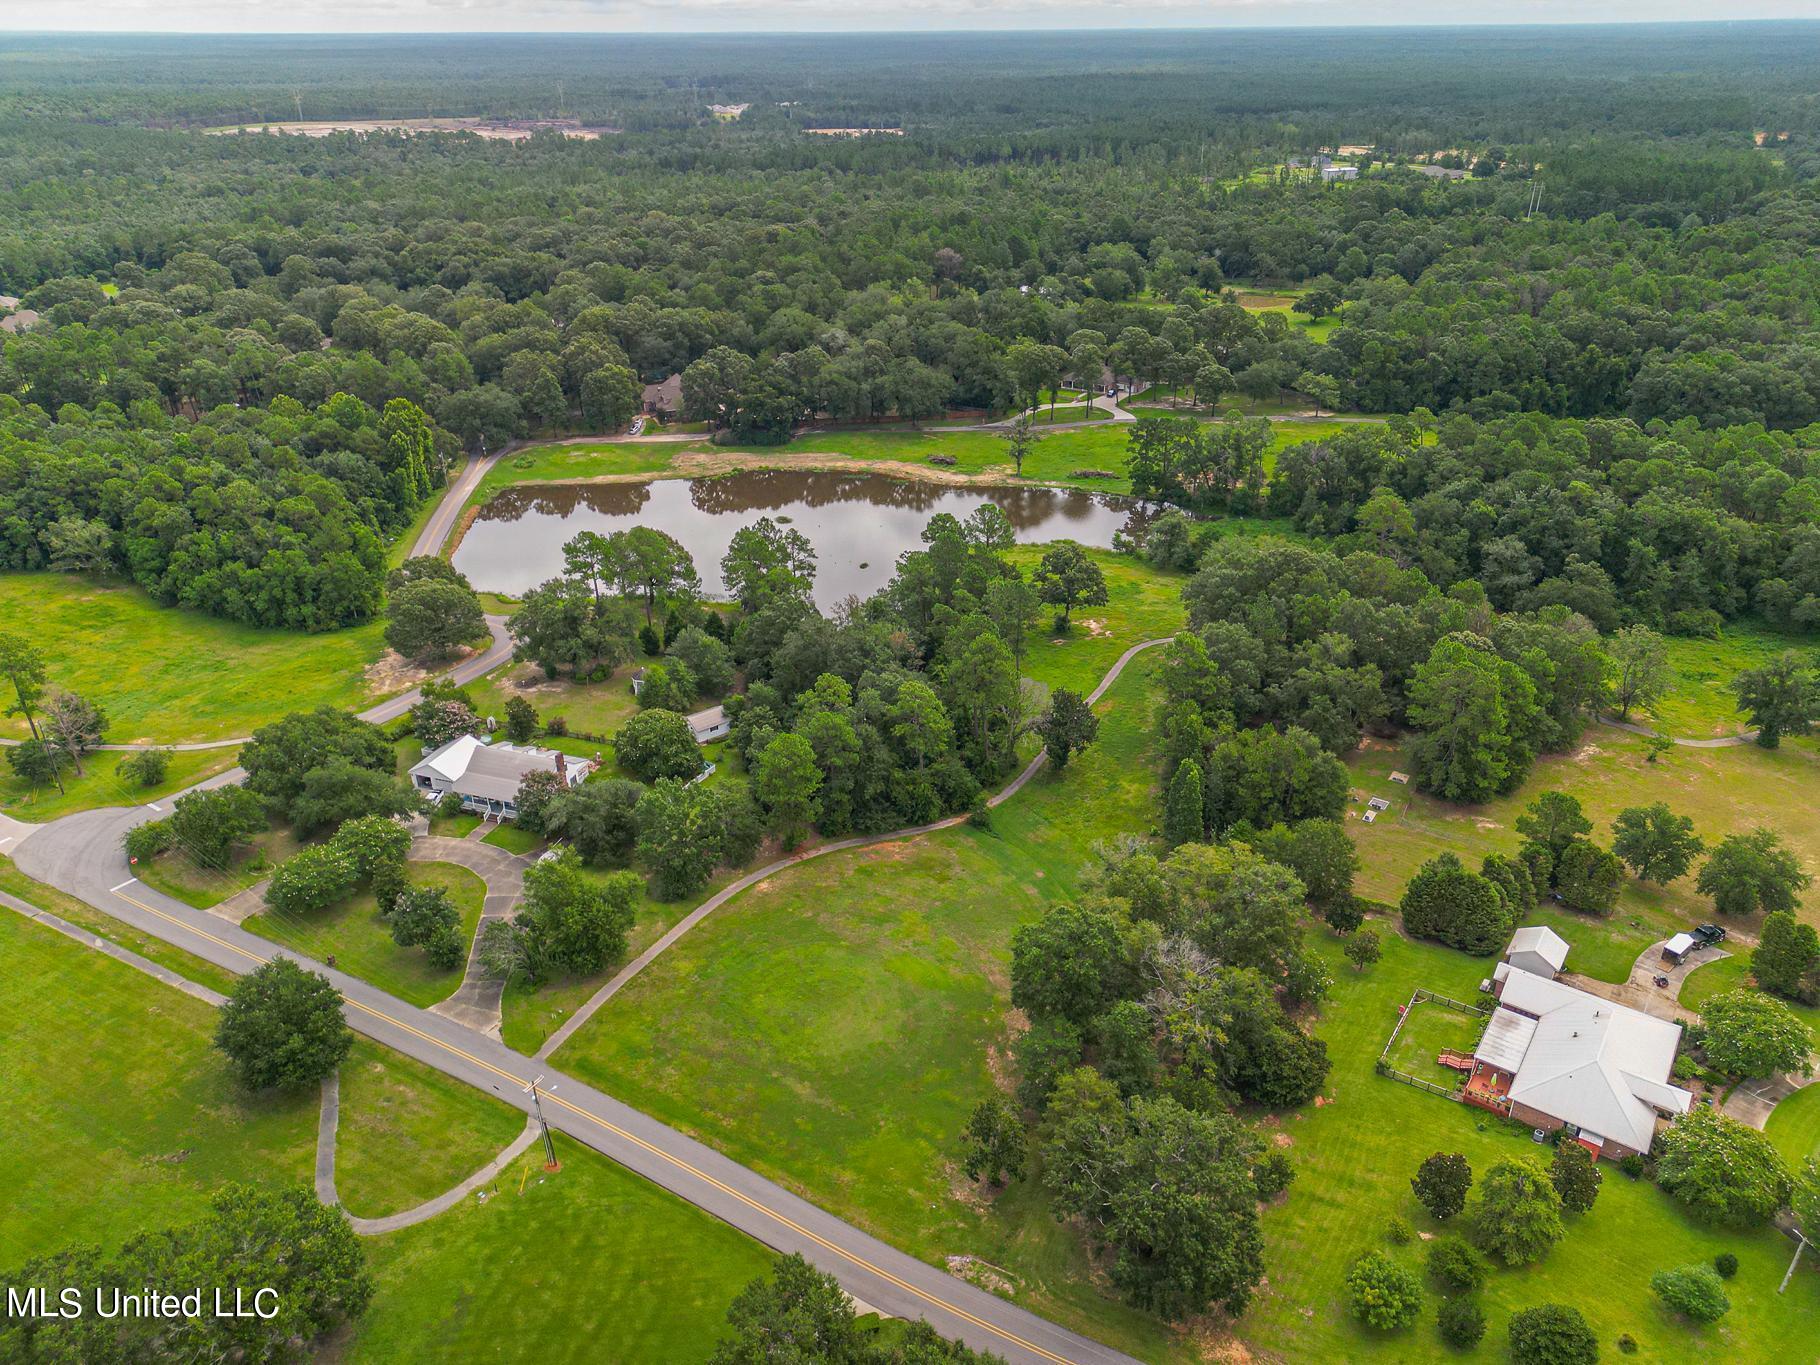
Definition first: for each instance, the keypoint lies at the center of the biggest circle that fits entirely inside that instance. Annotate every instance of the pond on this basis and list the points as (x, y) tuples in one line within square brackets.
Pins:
[(858, 523)]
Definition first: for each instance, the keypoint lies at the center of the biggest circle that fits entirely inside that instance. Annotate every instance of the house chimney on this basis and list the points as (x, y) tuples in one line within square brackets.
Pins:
[(562, 767)]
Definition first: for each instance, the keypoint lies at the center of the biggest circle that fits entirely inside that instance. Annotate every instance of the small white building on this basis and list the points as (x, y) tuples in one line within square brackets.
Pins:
[(1537, 949), (1331, 173), (710, 725), (487, 776)]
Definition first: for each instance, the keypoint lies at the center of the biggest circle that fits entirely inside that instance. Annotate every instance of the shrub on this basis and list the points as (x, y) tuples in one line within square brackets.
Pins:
[(1441, 1183), (1456, 1264), (1694, 1291), (311, 879), (148, 767), (1726, 1264), (1631, 1164), (1274, 1173), (1552, 1334), (449, 806), (1627, 1344), (1344, 914), (1382, 1293), (1398, 1232), (147, 841), (1462, 1323)]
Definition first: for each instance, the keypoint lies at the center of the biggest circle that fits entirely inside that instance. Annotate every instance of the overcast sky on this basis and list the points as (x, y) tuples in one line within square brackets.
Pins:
[(697, 16)]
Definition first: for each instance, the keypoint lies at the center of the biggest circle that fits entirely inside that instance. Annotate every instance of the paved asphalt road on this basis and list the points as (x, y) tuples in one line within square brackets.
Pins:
[(81, 854)]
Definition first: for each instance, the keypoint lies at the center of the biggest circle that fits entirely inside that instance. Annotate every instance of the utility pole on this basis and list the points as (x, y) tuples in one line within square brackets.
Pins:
[(550, 1162)]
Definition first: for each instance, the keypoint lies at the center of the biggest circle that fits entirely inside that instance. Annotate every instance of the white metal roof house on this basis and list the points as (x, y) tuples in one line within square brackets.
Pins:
[(1537, 948), (1560, 1056), (487, 776), (710, 725)]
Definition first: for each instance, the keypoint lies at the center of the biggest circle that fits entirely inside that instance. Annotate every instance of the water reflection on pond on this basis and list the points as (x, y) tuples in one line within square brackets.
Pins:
[(858, 523)]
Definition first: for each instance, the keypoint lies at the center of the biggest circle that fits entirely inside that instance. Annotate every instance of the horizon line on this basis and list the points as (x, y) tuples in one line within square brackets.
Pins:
[(1036, 29)]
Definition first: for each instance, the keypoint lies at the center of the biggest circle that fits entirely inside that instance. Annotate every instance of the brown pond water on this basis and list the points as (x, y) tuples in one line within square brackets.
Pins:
[(858, 523)]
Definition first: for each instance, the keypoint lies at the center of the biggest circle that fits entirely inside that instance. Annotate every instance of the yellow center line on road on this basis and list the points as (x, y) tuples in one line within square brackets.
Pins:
[(637, 1141)]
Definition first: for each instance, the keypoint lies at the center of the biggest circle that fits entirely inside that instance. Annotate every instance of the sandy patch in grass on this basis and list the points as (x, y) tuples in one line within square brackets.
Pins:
[(392, 672)]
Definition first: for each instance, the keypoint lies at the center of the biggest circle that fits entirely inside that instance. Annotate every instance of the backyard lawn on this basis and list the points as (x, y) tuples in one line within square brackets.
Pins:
[(640, 1276), (592, 708), (774, 1028), (408, 1132), (168, 676), (1428, 1028), (123, 1117), (355, 935)]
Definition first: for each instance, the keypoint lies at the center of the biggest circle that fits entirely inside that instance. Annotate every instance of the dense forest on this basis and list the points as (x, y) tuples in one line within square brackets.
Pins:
[(1644, 275)]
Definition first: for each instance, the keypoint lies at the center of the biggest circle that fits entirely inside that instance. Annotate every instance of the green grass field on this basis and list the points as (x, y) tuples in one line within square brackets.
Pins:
[(102, 785), (1794, 1126), (512, 839), (1700, 702), (589, 1264), (85, 916), (122, 1117), (1723, 790), (595, 708), (125, 1120), (1142, 603), (360, 942), (168, 676), (408, 1132), (774, 1029)]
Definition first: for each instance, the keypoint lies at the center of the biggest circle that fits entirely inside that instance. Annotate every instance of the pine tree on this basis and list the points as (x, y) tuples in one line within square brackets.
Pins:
[(1184, 817)]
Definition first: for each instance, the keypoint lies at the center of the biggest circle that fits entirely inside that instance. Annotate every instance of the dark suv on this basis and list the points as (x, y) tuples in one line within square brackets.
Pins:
[(1707, 935)]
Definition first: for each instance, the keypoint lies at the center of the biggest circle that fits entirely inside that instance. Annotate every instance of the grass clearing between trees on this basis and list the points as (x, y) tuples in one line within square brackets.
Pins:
[(408, 1132), (180, 876), (359, 940), (168, 676), (777, 1027), (122, 1117), (1725, 791), (1699, 703), (640, 1277)]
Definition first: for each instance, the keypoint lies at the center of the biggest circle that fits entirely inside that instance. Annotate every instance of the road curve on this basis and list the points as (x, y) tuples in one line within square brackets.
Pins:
[(82, 855)]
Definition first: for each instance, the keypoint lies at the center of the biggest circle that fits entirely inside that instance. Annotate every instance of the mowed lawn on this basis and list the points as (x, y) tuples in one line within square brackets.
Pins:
[(102, 784), (1700, 702), (1356, 1152), (589, 1264), (167, 676), (408, 1132), (360, 941), (121, 1116), (835, 1025), (1142, 603), (1725, 791), (1794, 1126)]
